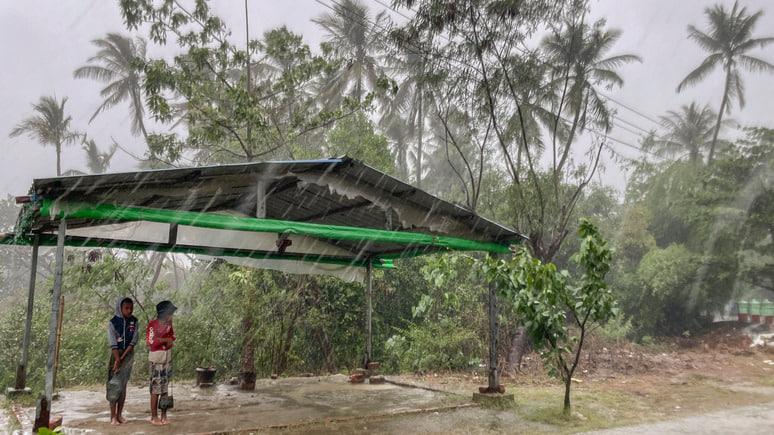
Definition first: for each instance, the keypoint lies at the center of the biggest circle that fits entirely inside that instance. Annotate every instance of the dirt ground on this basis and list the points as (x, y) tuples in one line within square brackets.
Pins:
[(667, 388)]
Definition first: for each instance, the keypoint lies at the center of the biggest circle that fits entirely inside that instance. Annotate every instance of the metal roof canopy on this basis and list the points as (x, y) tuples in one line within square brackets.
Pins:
[(333, 192), (335, 217)]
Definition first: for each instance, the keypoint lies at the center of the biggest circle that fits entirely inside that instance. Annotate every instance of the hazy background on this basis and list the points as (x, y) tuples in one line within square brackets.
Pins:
[(44, 41)]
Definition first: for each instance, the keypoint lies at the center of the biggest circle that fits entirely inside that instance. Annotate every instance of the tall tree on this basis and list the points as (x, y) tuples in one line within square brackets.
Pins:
[(688, 131), (578, 54), (476, 51), (96, 160), (117, 63), (355, 40), (727, 39), (49, 126), (406, 113)]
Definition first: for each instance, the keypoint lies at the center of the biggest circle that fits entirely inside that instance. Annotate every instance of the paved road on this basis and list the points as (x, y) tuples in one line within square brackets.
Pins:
[(758, 419)]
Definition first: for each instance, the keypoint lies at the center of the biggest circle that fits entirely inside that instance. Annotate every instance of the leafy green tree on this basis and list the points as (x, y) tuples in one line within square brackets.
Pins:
[(355, 137), (634, 240), (548, 303), (230, 115), (694, 237), (728, 39), (354, 39), (756, 256), (664, 295), (117, 63), (49, 126)]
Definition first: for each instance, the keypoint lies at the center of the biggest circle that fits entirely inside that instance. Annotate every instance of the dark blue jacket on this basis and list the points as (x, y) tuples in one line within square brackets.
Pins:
[(122, 331)]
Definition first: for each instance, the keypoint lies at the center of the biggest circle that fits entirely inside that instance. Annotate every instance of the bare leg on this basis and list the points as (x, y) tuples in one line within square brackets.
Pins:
[(113, 413), (120, 408), (164, 415), (155, 409)]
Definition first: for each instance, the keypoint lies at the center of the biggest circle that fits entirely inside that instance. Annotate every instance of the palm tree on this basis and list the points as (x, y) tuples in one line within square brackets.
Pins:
[(578, 54), (97, 161), (688, 131), (406, 113), (354, 38), (116, 63), (728, 39), (49, 126)]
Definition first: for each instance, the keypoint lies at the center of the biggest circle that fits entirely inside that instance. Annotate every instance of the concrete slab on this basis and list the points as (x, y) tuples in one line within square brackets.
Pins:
[(274, 404)]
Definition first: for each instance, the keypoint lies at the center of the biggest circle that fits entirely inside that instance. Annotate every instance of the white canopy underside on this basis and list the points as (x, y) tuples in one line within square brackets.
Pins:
[(153, 232)]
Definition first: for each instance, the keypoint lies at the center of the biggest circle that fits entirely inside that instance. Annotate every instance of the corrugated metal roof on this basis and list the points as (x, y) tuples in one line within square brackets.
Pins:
[(304, 191)]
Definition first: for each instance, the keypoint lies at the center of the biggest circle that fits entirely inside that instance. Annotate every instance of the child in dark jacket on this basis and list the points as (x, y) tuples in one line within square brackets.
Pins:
[(122, 338)]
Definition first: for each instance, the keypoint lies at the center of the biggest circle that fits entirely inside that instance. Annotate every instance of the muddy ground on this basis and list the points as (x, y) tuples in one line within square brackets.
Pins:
[(718, 375)]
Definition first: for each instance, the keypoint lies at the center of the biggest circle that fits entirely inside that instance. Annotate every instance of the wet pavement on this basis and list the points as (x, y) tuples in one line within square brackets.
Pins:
[(758, 419), (287, 404)]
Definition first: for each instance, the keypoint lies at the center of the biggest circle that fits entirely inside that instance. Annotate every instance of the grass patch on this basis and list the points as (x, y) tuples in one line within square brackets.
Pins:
[(603, 406), (24, 400), (591, 410)]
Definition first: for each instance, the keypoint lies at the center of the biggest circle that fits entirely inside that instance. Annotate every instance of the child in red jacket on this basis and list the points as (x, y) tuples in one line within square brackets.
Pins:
[(160, 337)]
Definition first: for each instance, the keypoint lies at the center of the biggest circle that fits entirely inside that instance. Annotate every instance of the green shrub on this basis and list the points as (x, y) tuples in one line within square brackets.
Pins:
[(434, 346)]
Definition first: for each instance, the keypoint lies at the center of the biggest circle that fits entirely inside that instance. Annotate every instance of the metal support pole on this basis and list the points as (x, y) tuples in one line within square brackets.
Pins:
[(60, 318), (369, 296), (21, 370), (54, 320), (494, 382), (261, 189)]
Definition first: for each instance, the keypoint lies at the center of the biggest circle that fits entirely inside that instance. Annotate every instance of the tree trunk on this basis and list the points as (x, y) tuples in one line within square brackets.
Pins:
[(420, 134), (157, 270), (519, 346), (567, 384), (723, 104), (247, 374), (58, 159)]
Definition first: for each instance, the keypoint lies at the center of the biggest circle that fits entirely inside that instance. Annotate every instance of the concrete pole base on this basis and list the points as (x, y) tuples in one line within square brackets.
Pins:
[(11, 392), (494, 400)]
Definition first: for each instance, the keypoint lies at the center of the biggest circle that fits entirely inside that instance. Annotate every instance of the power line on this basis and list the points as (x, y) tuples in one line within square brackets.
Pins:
[(632, 125), (630, 109)]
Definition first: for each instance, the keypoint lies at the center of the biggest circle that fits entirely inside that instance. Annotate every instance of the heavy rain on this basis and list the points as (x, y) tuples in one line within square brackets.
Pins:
[(389, 216)]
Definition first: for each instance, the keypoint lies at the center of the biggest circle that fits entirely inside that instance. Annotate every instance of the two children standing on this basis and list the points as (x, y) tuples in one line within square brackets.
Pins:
[(122, 338)]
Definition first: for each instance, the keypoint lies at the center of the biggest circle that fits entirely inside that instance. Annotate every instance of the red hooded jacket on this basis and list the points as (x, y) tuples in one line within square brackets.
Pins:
[(155, 331)]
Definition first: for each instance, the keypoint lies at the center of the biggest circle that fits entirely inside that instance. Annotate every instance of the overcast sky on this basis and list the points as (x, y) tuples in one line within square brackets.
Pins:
[(43, 41)]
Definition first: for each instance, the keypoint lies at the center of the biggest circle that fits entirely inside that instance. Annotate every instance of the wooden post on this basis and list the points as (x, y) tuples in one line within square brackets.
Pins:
[(369, 309), (60, 318), (494, 382), (247, 371), (55, 301), (21, 370)]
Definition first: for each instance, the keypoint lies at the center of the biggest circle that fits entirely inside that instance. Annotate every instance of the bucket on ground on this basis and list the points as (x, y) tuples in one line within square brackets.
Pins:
[(205, 377)]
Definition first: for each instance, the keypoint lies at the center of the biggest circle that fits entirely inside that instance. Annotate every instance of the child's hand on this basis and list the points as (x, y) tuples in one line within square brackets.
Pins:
[(116, 365)]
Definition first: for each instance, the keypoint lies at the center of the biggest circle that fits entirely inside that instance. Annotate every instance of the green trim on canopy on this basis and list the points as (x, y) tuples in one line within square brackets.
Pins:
[(109, 212), (84, 242)]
